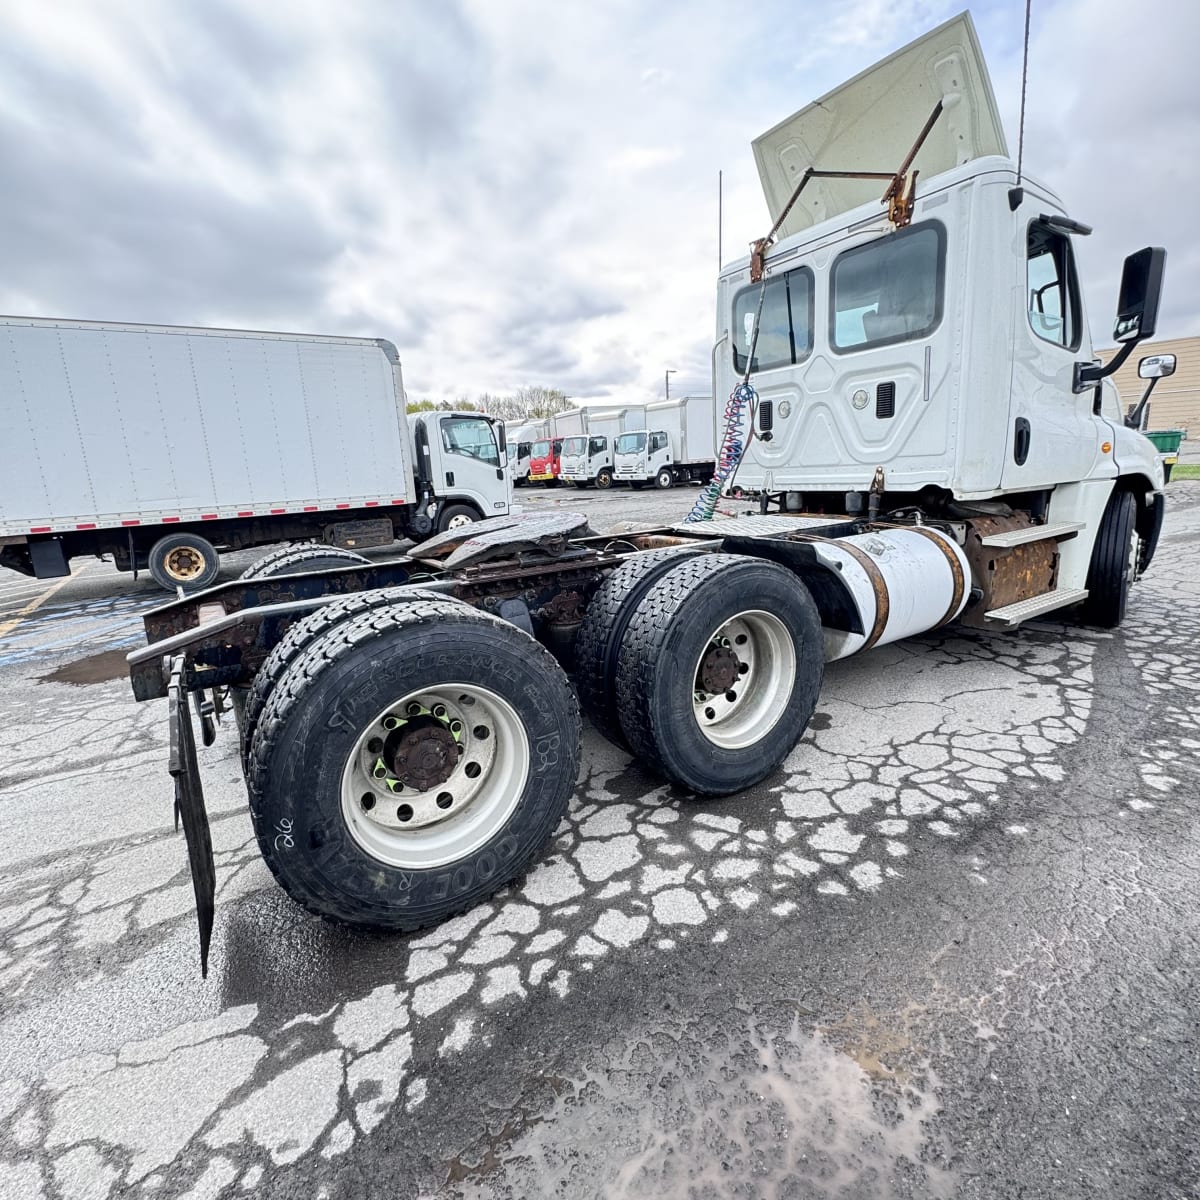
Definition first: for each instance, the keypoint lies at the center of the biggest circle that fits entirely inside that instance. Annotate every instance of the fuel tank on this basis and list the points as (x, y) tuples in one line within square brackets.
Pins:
[(904, 580)]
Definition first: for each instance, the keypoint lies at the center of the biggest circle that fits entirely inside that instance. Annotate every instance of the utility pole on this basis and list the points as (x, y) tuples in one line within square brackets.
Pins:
[(667, 380)]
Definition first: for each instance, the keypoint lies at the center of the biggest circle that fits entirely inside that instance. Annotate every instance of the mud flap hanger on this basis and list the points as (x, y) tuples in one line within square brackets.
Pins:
[(189, 807), (900, 196)]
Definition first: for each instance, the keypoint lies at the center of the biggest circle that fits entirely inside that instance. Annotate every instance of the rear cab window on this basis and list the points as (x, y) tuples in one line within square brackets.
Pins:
[(889, 290), (785, 333)]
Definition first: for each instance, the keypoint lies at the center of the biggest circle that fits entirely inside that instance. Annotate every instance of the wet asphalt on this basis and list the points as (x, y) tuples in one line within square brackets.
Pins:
[(949, 950)]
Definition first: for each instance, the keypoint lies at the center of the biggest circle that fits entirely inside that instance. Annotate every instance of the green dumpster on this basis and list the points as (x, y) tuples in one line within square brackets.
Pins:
[(1166, 442)]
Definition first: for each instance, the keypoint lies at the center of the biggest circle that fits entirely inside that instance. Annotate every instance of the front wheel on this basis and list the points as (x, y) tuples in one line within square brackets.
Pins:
[(411, 763), (718, 671), (1113, 565), (604, 479), (456, 516), (184, 560), (664, 479)]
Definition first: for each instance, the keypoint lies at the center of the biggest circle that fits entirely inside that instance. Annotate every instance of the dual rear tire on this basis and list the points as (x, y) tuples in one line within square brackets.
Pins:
[(707, 666)]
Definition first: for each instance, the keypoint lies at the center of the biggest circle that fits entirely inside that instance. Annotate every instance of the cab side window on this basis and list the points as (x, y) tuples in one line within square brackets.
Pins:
[(658, 441), (471, 436), (1052, 286), (597, 445)]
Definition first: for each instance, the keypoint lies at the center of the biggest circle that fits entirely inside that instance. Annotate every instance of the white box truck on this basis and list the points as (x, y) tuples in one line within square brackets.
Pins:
[(520, 440), (587, 459), (677, 446), (163, 445), (930, 439)]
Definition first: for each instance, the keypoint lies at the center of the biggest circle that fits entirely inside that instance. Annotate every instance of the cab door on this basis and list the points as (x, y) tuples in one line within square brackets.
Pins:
[(470, 464), (1053, 436)]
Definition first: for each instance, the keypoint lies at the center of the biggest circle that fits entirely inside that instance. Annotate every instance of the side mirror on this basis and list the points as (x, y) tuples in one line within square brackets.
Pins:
[(500, 437), (1141, 290), (1156, 366)]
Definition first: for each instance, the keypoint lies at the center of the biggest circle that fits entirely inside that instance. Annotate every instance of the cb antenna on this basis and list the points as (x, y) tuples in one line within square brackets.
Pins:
[(1024, 78)]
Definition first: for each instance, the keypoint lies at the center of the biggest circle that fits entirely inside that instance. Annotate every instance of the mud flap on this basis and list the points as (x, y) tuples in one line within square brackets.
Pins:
[(189, 807)]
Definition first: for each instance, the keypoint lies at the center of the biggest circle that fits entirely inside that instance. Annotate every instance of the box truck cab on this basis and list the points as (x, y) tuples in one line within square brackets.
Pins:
[(462, 457), (520, 452), (545, 461)]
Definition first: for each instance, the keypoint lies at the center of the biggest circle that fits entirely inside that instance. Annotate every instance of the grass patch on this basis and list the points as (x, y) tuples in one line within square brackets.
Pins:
[(1185, 471)]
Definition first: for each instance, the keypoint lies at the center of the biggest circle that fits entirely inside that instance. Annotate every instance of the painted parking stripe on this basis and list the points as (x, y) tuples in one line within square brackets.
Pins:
[(7, 627)]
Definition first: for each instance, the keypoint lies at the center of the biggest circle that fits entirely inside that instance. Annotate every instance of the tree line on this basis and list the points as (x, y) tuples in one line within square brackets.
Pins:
[(525, 404)]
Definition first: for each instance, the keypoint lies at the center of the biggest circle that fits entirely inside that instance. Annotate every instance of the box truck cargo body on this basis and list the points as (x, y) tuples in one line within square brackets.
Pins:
[(678, 445), (588, 460), (116, 437)]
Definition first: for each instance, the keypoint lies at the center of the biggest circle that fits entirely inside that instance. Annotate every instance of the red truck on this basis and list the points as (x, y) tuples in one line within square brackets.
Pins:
[(545, 461)]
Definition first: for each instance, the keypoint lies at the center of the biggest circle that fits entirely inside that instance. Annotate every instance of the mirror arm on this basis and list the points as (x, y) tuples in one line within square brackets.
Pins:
[(1134, 419), (1087, 375)]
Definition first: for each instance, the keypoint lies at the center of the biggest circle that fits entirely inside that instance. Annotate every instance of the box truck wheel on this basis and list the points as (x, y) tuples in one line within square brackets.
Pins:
[(598, 642), (719, 670), (604, 479), (294, 558), (1114, 561), (664, 478), (183, 560), (411, 763), (300, 636), (455, 516)]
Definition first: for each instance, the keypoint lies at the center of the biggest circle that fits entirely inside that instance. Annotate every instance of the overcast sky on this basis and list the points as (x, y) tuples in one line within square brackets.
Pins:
[(516, 191)]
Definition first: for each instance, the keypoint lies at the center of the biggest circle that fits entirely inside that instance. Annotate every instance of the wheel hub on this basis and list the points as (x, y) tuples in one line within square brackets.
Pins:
[(718, 668), (422, 754)]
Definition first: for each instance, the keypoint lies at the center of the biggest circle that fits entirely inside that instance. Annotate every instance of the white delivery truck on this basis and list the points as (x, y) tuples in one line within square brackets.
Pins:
[(677, 445), (163, 445), (520, 440), (588, 459), (913, 397)]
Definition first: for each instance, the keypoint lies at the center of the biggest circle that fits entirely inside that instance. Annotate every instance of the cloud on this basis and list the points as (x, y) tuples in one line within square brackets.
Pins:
[(513, 193)]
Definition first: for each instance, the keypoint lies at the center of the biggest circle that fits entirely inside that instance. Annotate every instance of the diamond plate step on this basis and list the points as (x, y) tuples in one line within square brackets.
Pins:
[(1023, 610), (1032, 533)]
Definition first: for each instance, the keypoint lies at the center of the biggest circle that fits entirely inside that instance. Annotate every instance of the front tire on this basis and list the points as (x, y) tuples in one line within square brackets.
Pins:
[(604, 479), (1114, 560), (456, 516), (719, 671), (184, 560), (410, 764), (664, 479)]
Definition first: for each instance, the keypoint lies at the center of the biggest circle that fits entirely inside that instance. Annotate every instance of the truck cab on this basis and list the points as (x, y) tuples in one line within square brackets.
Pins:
[(586, 460), (943, 362), (462, 464), (645, 457), (545, 462)]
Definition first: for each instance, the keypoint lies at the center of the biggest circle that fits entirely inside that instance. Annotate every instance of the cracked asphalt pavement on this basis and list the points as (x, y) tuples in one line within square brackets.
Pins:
[(950, 949)]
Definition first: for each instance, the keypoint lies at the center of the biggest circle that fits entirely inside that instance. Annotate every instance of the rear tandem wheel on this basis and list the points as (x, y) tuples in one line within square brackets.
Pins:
[(411, 763)]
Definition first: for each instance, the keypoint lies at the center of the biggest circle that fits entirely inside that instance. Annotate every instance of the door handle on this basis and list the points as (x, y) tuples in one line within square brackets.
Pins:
[(1021, 440)]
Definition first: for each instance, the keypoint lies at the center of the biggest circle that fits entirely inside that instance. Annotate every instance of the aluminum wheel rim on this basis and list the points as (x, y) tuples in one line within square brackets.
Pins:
[(458, 521), (414, 827), (766, 676), (184, 563)]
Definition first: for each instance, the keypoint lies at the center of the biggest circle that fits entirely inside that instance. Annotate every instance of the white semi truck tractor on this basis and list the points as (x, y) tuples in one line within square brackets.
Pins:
[(914, 401), (587, 460), (676, 446)]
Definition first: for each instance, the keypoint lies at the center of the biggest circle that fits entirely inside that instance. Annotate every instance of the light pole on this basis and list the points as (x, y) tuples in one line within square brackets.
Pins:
[(667, 380)]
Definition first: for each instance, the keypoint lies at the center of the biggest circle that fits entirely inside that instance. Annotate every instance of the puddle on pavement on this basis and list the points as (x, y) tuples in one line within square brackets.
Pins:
[(681, 1114), (96, 668)]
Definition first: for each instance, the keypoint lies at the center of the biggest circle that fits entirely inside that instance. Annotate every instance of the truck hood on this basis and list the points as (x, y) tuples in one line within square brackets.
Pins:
[(871, 122)]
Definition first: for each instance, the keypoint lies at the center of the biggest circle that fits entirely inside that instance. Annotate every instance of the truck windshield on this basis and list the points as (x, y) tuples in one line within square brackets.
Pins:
[(574, 445), (631, 443), (540, 449)]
